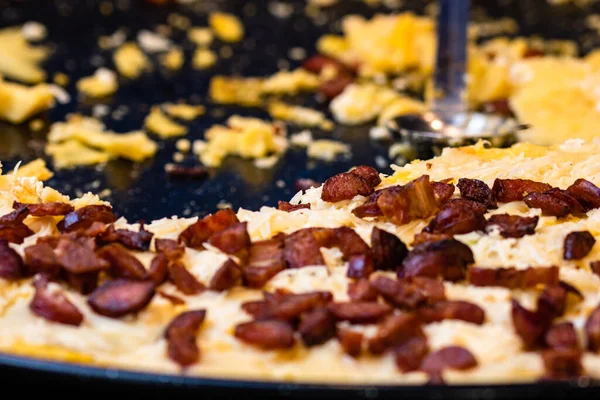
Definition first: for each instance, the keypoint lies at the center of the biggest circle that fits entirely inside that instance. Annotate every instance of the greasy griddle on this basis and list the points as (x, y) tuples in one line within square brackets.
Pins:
[(143, 191)]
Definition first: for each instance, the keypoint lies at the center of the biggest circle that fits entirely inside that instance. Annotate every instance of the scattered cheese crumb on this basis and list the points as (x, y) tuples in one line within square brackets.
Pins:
[(226, 27), (184, 111), (100, 110), (178, 157), (183, 145), (102, 83), (198, 146), (326, 150), (19, 102), (203, 58), (379, 133), (36, 125), (242, 91), (173, 59), (266, 162), (19, 60), (112, 41), (245, 137), (34, 31), (60, 79), (299, 115), (291, 82), (130, 61), (202, 37), (153, 42), (360, 103), (302, 139), (60, 94), (89, 136), (158, 123)]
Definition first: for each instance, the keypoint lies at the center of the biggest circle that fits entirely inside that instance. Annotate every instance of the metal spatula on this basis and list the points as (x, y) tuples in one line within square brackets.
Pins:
[(449, 123)]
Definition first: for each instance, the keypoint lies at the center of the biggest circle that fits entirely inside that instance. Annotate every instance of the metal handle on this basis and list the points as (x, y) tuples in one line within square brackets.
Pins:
[(449, 79)]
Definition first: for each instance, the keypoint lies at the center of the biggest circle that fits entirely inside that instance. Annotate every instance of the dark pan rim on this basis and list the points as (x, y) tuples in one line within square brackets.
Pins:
[(87, 372)]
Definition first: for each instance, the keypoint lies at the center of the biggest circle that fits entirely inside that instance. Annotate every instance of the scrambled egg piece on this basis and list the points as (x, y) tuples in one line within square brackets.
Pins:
[(18, 59), (559, 98), (36, 168), (250, 91), (204, 58), (403, 105), (326, 150), (61, 79), (130, 60), (245, 137), (84, 141), (227, 27), (158, 123), (184, 111), (173, 59), (299, 115), (19, 102), (360, 103), (103, 83), (200, 36)]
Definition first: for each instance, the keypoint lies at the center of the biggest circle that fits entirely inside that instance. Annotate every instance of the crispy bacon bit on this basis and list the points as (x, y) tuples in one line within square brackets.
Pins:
[(316, 327), (507, 190), (40, 259), (512, 226), (531, 326), (289, 306), (562, 336), (83, 283), (121, 297), (554, 202), (401, 204), (77, 256), (592, 330), (586, 193), (578, 245), (512, 278), (451, 357), (455, 309), (226, 277), (159, 269), (500, 106), (388, 250), (335, 86), (345, 186), (409, 293), (446, 258), (53, 306), (360, 266), (170, 248), (443, 191), (361, 290), (476, 190), (233, 240), (456, 221), (317, 63), (11, 264), (15, 234), (15, 217), (288, 207), (370, 174), (464, 204), (95, 229), (84, 217), (595, 267), (203, 229), (184, 280), (123, 264), (425, 237), (46, 209), (359, 312), (172, 298), (181, 337), (267, 335), (259, 309), (350, 341), (134, 240), (393, 331), (552, 301), (304, 184), (179, 171), (265, 260), (562, 363), (410, 354), (369, 208)]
